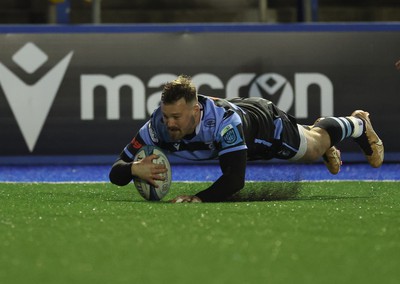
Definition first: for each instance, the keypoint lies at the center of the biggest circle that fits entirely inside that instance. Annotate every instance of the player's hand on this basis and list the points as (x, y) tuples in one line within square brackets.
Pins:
[(146, 170), (186, 199)]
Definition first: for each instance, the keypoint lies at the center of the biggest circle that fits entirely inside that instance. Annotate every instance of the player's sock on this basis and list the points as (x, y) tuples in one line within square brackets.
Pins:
[(340, 128), (358, 126), (360, 136)]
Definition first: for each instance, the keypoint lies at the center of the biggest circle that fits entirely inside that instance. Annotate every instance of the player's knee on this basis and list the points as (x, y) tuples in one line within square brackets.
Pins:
[(315, 150), (311, 155)]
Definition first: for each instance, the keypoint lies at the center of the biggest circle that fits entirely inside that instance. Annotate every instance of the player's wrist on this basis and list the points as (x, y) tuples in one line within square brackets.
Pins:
[(134, 169)]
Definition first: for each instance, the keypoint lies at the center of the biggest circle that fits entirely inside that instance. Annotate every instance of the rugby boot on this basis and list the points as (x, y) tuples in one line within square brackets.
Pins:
[(331, 157), (332, 160), (370, 143)]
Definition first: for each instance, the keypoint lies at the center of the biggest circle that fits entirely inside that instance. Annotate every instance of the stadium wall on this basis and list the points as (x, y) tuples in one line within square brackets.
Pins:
[(80, 93)]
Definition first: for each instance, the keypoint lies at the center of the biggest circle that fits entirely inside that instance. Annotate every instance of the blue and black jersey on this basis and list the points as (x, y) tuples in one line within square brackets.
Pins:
[(232, 131), (254, 124), (220, 131)]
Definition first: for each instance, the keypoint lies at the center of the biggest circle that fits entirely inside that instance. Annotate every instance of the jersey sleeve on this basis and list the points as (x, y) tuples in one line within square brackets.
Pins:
[(147, 135), (233, 166), (230, 135), (141, 138), (120, 173)]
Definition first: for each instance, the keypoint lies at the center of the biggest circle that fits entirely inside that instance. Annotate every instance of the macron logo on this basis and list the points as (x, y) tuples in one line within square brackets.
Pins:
[(31, 104)]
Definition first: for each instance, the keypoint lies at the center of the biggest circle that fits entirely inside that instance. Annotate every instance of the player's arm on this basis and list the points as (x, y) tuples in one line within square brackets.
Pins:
[(233, 166), (125, 169), (232, 160)]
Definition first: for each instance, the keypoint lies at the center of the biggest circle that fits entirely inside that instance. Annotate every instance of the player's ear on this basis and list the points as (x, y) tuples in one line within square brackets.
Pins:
[(196, 107)]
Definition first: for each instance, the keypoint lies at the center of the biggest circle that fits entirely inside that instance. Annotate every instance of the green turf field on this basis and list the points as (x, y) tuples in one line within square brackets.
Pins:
[(323, 232)]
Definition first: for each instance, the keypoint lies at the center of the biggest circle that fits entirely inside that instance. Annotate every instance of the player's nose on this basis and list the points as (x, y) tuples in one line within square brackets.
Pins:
[(170, 123)]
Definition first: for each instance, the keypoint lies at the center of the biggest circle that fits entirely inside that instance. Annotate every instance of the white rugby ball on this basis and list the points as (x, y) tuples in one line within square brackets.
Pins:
[(146, 190)]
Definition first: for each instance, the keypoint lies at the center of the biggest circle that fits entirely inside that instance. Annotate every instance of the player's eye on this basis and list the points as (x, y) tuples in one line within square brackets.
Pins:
[(172, 118)]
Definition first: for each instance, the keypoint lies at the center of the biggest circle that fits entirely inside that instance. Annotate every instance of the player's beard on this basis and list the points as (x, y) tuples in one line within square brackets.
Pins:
[(177, 133)]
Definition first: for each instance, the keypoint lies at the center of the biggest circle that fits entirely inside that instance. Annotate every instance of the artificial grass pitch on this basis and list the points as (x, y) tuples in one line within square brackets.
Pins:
[(296, 232)]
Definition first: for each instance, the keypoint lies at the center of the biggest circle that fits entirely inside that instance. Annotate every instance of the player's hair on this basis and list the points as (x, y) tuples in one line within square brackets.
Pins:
[(182, 87)]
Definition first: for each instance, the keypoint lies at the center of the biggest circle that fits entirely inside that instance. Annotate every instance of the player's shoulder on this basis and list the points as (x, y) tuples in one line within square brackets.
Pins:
[(157, 113), (218, 112), (153, 131), (214, 105), (156, 119), (212, 101)]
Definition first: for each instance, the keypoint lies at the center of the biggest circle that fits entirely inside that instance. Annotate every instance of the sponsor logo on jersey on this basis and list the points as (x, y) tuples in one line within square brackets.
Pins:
[(136, 144), (209, 123), (263, 142), (176, 146), (211, 145)]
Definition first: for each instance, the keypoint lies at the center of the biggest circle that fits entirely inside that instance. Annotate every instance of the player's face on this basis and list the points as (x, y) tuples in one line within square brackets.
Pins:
[(181, 118)]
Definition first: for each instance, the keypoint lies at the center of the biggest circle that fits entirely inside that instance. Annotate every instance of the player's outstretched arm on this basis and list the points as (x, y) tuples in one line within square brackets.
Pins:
[(233, 166), (120, 173)]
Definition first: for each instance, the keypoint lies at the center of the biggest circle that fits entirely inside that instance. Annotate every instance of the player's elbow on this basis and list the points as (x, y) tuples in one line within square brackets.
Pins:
[(236, 183), (120, 173), (239, 177), (239, 182), (115, 178)]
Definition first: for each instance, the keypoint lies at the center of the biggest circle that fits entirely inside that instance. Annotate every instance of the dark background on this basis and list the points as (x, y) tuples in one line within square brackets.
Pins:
[(360, 66)]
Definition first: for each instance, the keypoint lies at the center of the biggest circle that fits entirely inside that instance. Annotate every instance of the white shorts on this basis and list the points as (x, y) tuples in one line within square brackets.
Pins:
[(303, 145)]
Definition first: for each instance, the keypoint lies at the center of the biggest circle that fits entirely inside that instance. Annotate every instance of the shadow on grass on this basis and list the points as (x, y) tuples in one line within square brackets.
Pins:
[(281, 192), (267, 192), (252, 192)]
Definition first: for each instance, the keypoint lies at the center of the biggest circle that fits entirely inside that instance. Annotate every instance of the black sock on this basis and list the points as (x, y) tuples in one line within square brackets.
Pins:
[(362, 141), (338, 128)]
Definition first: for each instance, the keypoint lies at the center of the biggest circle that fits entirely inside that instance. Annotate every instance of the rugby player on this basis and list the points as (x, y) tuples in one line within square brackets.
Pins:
[(198, 127)]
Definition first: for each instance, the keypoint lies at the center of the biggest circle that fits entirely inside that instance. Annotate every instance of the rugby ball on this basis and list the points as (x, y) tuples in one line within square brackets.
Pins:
[(146, 190)]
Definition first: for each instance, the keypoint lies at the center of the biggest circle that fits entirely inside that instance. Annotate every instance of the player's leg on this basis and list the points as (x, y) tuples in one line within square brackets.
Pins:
[(331, 158), (299, 144), (314, 143), (357, 126)]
